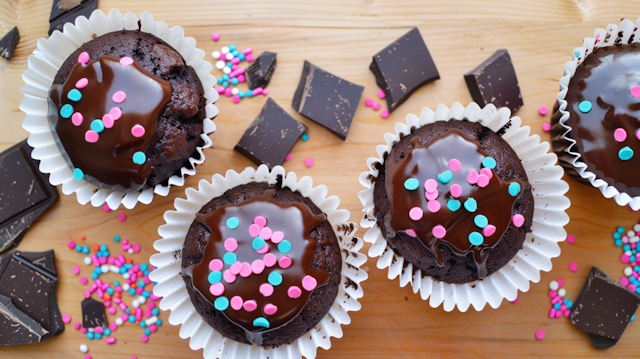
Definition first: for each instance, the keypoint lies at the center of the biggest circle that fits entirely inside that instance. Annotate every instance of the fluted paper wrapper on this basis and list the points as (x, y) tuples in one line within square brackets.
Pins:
[(540, 245), (172, 288), (45, 62), (615, 34)]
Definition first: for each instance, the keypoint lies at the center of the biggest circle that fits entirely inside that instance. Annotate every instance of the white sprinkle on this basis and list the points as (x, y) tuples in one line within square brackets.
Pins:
[(226, 70), (114, 269), (130, 251), (235, 91), (151, 320), (126, 287), (119, 321), (628, 253), (628, 271), (636, 227), (554, 285), (135, 303), (220, 64), (224, 50), (229, 56), (84, 348), (215, 54), (562, 292), (631, 234), (105, 268), (126, 276), (142, 299), (87, 261), (634, 239), (90, 330)]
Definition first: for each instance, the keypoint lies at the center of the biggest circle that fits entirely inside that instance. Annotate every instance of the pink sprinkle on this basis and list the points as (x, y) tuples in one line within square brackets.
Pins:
[(241, 78), (294, 292), (558, 314), (264, 249), (266, 289), (620, 134), (236, 267), (246, 270), (543, 110), (472, 177), (540, 334), (77, 325), (515, 301), (368, 102), (518, 220), (144, 338), (135, 247), (416, 213), (381, 94), (266, 233), (376, 105), (553, 294), (288, 157), (284, 262), (76, 270), (137, 131), (84, 330), (82, 83), (84, 280), (254, 230), (563, 307), (257, 266), (71, 244), (91, 136), (567, 313), (220, 89), (126, 61), (571, 239), (433, 206), (235, 61), (112, 310), (277, 237), (122, 217), (215, 36), (309, 283), (430, 185), (249, 58), (236, 302), (638, 137), (455, 190), (217, 289), (230, 244), (489, 230), (110, 340), (624, 258), (66, 318), (552, 313), (455, 165), (624, 281), (84, 58), (113, 326), (573, 267), (632, 287), (431, 196), (236, 73), (86, 294), (269, 260), (228, 92), (106, 208), (250, 305), (487, 172), (119, 97), (116, 113), (108, 121), (625, 239), (439, 231), (265, 92), (546, 127), (270, 309), (384, 113), (411, 232), (228, 276), (257, 91), (308, 162), (260, 221), (247, 51), (235, 99), (483, 181), (87, 356), (635, 91)]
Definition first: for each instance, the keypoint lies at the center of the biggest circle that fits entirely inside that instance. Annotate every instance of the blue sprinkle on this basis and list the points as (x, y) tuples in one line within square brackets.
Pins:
[(481, 221), (284, 246), (557, 306), (97, 125), (98, 335), (568, 303), (215, 277), (258, 243), (305, 137), (123, 270), (225, 84), (159, 323), (230, 258), (90, 336), (625, 153), (155, 311), (514, 188), (261, 322), (476, 238), (470, 205), (489, 162), (576, 53), (144, 267), (74, 95), (95, 275), (633, 317), (146, 294), (233, 222), (445, 177), (234, 81), (85, 250), (411, 184), (103, 248), (116, 238), (275, 278), (110, 291), (107, 331), (620, 230), (241, 94), (132, 291), (228, 64), (78, 248), (241, 56), (139, 158), (66, 111), (232, 48), (132, 318), (220, 80), (249, 93), (453, 205), (143, 324), (617, 235), (626, 247), (235, 53), (140, 284), (78, 174), (225, 77), (221, 303), (98, 254), (585, 106), (147, 332)]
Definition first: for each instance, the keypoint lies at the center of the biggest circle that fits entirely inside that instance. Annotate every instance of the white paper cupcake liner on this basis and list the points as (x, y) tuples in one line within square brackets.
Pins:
[(43, 65), (540, 245), (172, 288), (615, 34)]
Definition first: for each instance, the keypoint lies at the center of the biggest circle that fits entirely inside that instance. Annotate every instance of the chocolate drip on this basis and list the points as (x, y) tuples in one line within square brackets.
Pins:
[(108, 163), (426, 162)]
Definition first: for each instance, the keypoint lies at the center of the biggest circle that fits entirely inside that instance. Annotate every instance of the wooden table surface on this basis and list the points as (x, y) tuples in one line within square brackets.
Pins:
[(341, 37)]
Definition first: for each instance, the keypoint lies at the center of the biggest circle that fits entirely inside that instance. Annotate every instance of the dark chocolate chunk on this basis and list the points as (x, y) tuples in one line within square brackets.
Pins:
[(603, 309), (495, 81), (25, 193), (9, 42), (93, 314), (60, 7), (326, 99), (16, 327), (84, 9), (260, 72), (403, 67), (270, 137)]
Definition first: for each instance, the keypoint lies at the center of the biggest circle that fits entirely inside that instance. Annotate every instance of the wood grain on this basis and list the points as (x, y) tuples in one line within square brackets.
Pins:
[(341, 37)]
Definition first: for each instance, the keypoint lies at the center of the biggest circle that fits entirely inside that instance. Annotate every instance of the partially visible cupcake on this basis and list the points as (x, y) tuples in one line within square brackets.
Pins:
[(596, 120)]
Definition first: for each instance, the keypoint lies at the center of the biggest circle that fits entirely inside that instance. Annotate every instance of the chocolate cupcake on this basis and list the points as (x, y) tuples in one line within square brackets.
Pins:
[(128, 113), (450, 206), (596, 120), (264, 260)]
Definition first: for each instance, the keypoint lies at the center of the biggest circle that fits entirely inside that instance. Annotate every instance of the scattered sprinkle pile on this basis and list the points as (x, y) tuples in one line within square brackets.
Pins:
[(229, 58), (560, 306), (628, 242), (375, 105)]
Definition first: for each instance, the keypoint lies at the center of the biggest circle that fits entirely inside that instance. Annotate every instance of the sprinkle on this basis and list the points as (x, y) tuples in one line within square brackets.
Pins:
[(245, 270), (250, 305), (277, 237), (381, 94), (571, 239), (546, 127), (214, 277), (430, 185), (368, 102), (309, 283), (236, 302), (445, 177), (110, 340), (455, 165), (228, 276), (620, 134), (514, 188), (543, 110), (585, 106), (483, 181), (540, 334), (431, 196), (221, 303), (288, 157), (270, 309), (573, 267), (489, 162), (215, 36), (635, 91), (83, 58), (66, 318), (284, 246), (376, 106), (229, 258), (294, 292), (269, 260), (412, 184), (518, 220), (481, 221), (576, 53), (91, 136), (97, 125), (78, 174), (116, 113), (258, 243), (217, 289), (304, 137), (266, 233), (489, 230), (439, 231), (119, 97), (261, 322), (554, 285), (487, 172), (284, 262), (453, 205), (275, 279), (108, 121), (233, 222), (472, 177), (139, 158), (470, 205), (77, 118), (638, 134), (476, 238), (625, 153), (266, 289), (308, 162), (254, 230), (144, 338), (84, 348), (126, 61), (137, 131), (416, 213), (66, 111), (433, 206), (257, 266), (216, 265), (384, 113), (76, 270), (74, 95)]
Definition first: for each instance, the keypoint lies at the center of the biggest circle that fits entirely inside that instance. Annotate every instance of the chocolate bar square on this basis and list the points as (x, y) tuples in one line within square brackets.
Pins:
[(9, 42), (58, 19), (16, 327), (260, 72)]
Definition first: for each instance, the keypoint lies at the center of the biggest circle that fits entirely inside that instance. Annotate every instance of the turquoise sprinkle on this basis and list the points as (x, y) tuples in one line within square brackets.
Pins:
[(78, 174), (220, 80), (229, 258), (625, 153), (107, 331), (576, 53), (514, 188), (258, 243), (66, 111), (633, 317), (143, 324), (620, 230), (284, 246), (155, 311), (74, 95), (144, 267), (234, 81), (215, 277), (557, 306), (221, 303), (241, 57), (249, 93), (233, 222), (585, 106), (305, 137), (476, 238), (228, 64), (90, 336), (617, 235), (411, 184), (261, 322), (97, 125), (241, 94), (453, 205), (470, 205), (232, 48), (275, 278), (225, 77), (116, 239), (618, 242), (489, 162), (235, 53), (445, 177), (225, 84), (99, 335), (481, 221), (139, 158), (147, 332)]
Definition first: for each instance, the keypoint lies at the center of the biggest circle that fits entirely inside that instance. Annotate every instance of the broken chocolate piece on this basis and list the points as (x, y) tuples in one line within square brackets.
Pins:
[(84, 9), (495, 81), (93, 314), (260, 72), (603, 309), (16, 327), (403, 67), (9, 42), (270, 136), (25, 193), (326, 99), (60, 7)]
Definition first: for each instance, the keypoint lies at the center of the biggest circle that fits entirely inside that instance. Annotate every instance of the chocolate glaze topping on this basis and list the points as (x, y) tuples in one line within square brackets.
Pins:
[(296, 221), (605, 78), (108, 163), (426, 162)]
